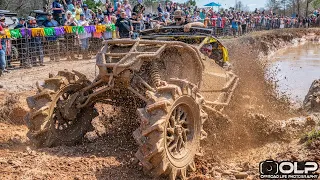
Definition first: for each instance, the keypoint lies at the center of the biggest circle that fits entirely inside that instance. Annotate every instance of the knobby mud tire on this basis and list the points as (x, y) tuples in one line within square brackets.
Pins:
[(155, 129), (42, 131)]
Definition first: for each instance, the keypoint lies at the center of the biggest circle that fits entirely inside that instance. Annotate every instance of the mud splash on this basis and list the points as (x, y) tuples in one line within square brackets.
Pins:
[(293, 70), (261, 121), (259, 128)]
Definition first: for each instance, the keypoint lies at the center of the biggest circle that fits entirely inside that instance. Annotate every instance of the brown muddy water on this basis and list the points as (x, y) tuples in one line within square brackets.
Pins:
[(294, 69)]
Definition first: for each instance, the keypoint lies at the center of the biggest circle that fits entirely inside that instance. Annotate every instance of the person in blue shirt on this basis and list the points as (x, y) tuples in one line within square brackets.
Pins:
[(87, 12), (35, 45), (234, 25), (159, 8), (57, 10), (21, 23), (54, 50)]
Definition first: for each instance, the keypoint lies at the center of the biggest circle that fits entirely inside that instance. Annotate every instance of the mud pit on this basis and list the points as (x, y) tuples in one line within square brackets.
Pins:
[(260, 129), (295, 68)]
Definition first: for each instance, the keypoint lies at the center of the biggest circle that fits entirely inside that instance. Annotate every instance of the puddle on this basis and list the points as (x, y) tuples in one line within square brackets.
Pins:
[(294, 69)]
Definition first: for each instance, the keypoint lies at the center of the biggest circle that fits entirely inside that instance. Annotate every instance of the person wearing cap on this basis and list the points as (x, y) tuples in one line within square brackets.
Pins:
[(84, 38), (160, 20), (87, 12), (137, 23), (57, 10), (124, 26), (21, 24), (35, 44), (180, 20), (54, 49), (100, 15)]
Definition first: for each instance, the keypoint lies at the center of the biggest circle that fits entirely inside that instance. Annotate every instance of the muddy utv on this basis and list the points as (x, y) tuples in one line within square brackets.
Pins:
[(173, 83)]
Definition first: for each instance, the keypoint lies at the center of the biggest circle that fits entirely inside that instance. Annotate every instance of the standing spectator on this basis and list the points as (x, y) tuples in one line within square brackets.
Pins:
[(124, 26), (70, 38), (2, 54), (118, 10), (87, 12), (139, 8), (160, 19), (70, 7), (100, 15), (159, 8), (70, 21), (137, 23), (234, 24), (203, 14), (21, 23), (107, 21), (57, 10), (35, 45), (84, 39), (4, 40), (127, 8), (167, 18), (52, 41), (105, 6), (168, 7), (78, 11), (243, 24)]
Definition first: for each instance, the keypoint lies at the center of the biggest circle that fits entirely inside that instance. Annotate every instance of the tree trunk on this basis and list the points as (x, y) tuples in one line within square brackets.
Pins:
[(298, 7), (307, 9)]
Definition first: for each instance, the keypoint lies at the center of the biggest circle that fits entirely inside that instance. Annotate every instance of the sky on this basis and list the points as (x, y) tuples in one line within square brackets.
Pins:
[(252, 4)]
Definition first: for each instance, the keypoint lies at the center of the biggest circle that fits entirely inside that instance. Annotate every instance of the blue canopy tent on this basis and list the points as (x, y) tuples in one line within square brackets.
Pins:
[(212, 4)]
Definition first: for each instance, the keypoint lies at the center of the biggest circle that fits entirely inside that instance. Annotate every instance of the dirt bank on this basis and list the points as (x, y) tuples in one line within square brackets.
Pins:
[(231, 148)]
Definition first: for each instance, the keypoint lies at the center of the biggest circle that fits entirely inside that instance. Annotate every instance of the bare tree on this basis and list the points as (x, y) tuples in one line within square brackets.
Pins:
[(307, 8), (298, 7)]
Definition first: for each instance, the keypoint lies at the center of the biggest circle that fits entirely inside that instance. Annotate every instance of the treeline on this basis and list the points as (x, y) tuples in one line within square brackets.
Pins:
[(290, 7)]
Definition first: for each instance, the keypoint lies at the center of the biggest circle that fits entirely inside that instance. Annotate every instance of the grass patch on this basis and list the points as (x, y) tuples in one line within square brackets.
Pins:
[(310, 137)]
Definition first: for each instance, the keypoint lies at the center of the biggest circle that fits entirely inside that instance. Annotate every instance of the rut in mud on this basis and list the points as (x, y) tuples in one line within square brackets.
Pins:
[(231, 149)]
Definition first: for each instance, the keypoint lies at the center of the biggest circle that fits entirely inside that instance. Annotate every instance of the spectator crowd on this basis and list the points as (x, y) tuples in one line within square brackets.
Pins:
[(130, 19)]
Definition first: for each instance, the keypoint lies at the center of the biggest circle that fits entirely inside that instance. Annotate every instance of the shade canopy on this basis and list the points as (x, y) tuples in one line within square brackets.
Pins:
[(213, 4)]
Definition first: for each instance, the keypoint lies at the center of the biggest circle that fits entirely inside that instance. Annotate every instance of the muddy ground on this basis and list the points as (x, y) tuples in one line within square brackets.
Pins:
[(262, 126)]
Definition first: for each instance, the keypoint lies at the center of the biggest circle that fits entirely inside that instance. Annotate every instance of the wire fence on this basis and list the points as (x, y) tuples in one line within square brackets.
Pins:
[(27, 52), (34, 51)]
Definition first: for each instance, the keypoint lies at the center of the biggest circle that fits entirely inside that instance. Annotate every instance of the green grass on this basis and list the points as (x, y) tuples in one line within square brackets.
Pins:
[(309, 137)]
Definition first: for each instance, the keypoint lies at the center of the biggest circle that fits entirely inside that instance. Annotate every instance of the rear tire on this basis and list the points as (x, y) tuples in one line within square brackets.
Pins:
[(171, 129), (45, 127)]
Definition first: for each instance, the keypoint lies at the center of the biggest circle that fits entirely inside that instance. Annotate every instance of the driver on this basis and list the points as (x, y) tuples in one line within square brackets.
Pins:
[(206, 50), (180, 20)]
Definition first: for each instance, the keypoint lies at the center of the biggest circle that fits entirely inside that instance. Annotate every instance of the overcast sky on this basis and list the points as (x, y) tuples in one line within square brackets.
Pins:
[(230, 3)]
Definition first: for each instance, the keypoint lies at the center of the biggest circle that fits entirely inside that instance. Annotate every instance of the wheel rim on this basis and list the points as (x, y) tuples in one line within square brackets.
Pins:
[(180, 131), (61, 123)]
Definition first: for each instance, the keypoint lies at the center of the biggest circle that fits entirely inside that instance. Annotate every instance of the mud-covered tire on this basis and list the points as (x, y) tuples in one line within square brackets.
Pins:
[(42, 130), (155, 133)]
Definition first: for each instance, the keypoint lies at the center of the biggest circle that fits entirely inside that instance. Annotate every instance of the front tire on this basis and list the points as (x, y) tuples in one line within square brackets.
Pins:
[(47, 126), (171, 129)]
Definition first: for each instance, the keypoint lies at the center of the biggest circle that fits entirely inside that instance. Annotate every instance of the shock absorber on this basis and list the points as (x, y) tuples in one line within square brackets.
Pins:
[(155, 75)]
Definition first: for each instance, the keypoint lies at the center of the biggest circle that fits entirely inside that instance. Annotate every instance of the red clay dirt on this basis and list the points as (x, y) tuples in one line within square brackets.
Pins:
[(232, 149)]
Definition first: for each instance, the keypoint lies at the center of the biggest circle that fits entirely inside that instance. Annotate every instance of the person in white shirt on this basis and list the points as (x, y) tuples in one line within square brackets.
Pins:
[(84, 37)]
